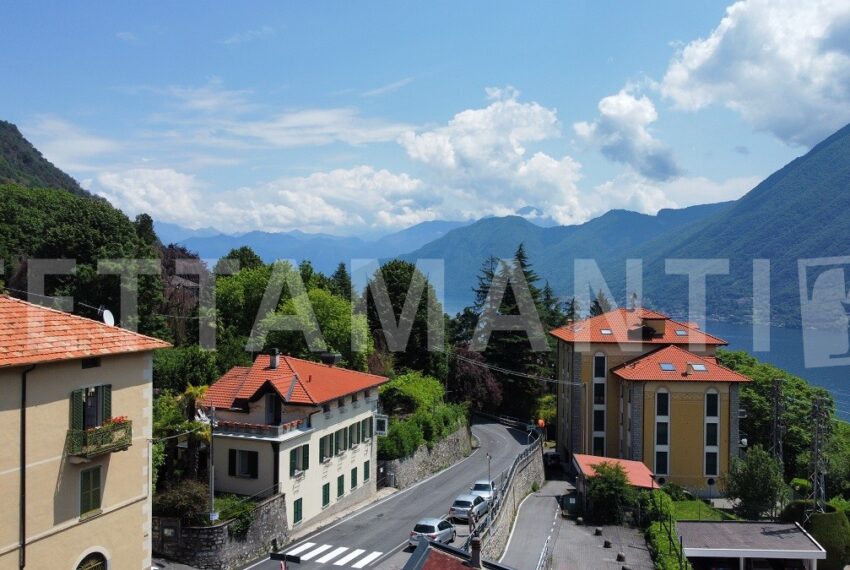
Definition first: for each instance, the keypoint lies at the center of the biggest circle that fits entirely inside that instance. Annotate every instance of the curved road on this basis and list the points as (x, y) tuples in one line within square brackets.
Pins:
[(381, 530)]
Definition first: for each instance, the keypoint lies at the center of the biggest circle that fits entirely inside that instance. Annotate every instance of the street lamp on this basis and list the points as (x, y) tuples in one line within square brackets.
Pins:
[(489, 480)]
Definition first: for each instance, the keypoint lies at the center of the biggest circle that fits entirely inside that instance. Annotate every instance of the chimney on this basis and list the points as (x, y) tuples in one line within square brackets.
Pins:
[(330, 358), (275, 359), (475, 549)]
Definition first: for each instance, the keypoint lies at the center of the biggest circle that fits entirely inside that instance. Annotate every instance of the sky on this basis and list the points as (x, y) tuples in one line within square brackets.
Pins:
[(361, 118)]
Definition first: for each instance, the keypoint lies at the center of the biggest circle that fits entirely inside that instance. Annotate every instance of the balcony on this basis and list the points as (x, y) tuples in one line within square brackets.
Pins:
[(92, 442), (258, 430)]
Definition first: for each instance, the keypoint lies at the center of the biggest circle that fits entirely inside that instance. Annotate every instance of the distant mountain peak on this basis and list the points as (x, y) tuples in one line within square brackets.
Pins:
[(21, 163)]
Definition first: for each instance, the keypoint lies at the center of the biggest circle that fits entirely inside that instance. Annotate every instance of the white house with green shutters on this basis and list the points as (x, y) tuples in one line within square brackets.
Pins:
[(301, 428)]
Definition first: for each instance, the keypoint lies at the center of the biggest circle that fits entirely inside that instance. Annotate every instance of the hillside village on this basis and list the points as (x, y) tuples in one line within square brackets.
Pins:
[(285, 295)]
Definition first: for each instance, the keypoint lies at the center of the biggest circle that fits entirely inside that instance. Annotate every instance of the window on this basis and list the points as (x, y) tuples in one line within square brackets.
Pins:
[(353, 435), (599, 366), (367, 393), (91, 406), (662, 432), (326, 448), (354, 398), (599, 446), (243, 463), (598, 420), (699, 367), (94, 561), (599, 393), (366, 471), (326, 494), (326, 408), (299, 460), (606, 332), (366, 429), (340, 403), (712, 433), (667, 367), (340, 442), (340, 486), (354, 478), (681, 332), (91, 363), (90, 491), (298, 512)]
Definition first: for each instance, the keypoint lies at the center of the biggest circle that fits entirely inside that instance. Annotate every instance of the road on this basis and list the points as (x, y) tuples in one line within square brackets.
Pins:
[(374, 536), (535, 522)]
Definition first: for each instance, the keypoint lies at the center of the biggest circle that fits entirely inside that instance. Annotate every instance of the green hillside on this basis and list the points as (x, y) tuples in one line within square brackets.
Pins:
[(21, 163)]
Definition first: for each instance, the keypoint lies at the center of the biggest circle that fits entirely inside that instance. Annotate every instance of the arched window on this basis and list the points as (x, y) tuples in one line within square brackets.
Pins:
[(712, 433), (94, 561), (662, 432), (600, 372)]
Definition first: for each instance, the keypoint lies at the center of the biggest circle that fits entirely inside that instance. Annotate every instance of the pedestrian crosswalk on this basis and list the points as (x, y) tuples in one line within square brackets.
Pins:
[(337, 556)]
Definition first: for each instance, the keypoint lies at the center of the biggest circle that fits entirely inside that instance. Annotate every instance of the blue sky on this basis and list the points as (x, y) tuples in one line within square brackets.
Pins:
[(361, 118)]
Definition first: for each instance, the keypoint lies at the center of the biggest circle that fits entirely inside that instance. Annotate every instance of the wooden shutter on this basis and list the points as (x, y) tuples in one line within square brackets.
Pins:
[(106, 402), (253, 464), (293, 461), (77, 412), (231, 462), (322, 449), (305, 459)]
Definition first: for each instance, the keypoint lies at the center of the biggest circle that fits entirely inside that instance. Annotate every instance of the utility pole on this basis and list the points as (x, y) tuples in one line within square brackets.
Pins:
[(213, 514), (820, 423)]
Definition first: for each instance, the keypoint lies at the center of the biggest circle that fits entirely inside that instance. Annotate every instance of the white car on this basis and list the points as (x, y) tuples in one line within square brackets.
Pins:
[(465, 504), (486, 490), (437, 530)]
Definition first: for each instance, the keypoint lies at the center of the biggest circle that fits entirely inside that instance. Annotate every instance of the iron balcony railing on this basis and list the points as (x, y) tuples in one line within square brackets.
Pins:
[(87, 443)]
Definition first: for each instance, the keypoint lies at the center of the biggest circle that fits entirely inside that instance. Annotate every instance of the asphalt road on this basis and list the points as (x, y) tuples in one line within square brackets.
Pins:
[(375, 536)]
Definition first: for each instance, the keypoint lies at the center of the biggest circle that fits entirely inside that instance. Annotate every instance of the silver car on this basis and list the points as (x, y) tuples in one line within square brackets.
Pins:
[(465, 504), (486, 489), (436, 530)]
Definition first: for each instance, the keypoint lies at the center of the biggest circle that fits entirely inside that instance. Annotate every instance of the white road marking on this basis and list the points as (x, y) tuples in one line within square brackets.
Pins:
[(363, 562), (349, 557), (302, 548), (315, 552), (332, 555)]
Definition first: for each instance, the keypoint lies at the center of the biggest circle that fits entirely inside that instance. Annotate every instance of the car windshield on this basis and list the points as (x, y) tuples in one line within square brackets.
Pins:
[(423, 528), (462, 504), (481, 487)]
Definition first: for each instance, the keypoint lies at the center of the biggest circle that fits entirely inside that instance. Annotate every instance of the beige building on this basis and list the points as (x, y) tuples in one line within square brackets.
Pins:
[(637, 385), (296, 427), (75, 423)]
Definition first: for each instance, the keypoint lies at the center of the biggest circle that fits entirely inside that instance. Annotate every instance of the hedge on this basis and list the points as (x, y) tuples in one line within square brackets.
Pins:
[(404, 436), (832, 531), (664, 553)]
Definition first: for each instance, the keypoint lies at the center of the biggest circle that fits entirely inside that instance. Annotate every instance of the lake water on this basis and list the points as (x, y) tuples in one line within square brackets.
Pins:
[(786, 352)]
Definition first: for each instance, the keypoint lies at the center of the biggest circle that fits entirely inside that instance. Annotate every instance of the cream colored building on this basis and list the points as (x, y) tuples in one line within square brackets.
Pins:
[(637, 385), (75, 423), (296, 427)]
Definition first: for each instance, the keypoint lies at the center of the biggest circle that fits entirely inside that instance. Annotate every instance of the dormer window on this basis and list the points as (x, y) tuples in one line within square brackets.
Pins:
[(326, 408), (667, 367), (698, 367), (354, 397), (340, 403)]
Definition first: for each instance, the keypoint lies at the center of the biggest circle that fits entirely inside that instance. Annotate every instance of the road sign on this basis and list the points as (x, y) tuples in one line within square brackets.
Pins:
[(381, 424)]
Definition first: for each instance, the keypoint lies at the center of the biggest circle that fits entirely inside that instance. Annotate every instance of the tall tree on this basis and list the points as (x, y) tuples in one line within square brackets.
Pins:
[(600, 304), (755, 482), (341, 282), (247, 258), (472, 381), (571, 310)]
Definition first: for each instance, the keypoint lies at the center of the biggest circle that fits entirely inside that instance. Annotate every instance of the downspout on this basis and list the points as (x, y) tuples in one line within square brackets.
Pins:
[(22, 506)]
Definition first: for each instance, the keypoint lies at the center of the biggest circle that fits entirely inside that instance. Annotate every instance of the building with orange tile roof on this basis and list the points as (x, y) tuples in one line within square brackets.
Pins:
[(637, 385), (301, 428), (75, 423)]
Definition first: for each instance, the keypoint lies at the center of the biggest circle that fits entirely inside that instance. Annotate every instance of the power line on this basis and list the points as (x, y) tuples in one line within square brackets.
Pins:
[(515, 372)]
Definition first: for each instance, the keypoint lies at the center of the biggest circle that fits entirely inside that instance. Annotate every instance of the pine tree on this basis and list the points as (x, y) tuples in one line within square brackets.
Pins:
[(600, 304), (341, 282), (571, 310)]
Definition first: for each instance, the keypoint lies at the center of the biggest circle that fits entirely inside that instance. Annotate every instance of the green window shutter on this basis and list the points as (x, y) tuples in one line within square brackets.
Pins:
[(106, 401), (89, 490), (253, 464), (326, 494), (305, 459), (354, 478), (231, 462), (77, 405), (321, 450), (297, 513), (340, 486), (366, 471), (293, 462)]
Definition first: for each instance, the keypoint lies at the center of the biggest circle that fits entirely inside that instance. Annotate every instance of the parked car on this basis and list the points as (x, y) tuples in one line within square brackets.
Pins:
[(485, 489), (465, 504), (437, 530)]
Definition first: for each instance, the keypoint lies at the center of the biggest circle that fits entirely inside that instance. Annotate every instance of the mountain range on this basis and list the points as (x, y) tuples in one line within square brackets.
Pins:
[(798, 212)]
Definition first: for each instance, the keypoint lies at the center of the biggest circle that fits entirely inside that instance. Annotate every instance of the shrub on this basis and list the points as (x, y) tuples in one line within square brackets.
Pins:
[(610, 493), (833, 532), (187, 500), (756, 482), (655, 506), (403, 438), (801, 487), (677, 492), (238, 510), (839, 504), (665, 553), (795, 511)]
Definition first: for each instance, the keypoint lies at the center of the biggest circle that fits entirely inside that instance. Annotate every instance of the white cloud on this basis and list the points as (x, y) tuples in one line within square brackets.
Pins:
[(67, 145), (622, 134), (128, 37), (483, 152), (212, 97), (166, 194), (248, 35), (784, 65), (388, 88)]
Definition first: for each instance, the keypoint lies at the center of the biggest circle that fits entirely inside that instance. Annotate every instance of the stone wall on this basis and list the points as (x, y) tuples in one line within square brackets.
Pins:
[(530, 471), (401, 473), (213, 547)]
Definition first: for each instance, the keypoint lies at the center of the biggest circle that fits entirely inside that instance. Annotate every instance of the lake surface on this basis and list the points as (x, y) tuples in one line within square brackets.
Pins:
[(786, 352)]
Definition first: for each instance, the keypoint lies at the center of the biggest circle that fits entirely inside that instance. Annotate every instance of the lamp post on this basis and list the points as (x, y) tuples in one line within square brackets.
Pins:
[(213, 514), (489, 480)]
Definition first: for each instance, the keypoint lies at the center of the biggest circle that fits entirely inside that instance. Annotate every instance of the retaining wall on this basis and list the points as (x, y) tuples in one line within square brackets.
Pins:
[(401, 473)]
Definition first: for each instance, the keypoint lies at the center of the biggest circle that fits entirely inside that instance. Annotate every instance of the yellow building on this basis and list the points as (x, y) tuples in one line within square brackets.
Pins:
[(301, 428), (75, 423), (635, 384)]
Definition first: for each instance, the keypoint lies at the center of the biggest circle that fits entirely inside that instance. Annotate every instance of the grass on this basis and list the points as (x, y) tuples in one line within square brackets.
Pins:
[(697, 510)]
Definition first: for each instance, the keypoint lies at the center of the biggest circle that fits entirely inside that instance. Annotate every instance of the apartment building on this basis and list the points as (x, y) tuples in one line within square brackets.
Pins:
[(75, 423), (638, 385), (301, 428)]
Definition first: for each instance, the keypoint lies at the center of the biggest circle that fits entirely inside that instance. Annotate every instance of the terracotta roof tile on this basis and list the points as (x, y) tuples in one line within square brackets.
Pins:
[(639, 474), (676, 363), (297, 381), (31, 334), (626, 326)]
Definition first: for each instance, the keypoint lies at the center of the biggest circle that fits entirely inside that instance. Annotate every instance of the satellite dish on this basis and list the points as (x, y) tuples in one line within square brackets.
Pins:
[(108, 318)]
